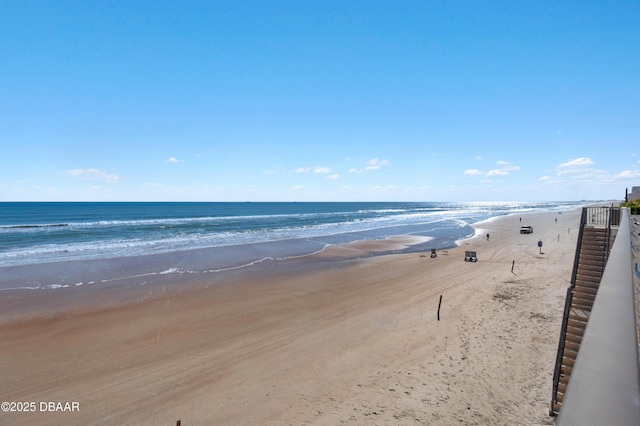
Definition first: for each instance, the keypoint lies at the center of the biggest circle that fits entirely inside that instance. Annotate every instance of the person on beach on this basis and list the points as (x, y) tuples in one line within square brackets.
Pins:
[(487, 237)]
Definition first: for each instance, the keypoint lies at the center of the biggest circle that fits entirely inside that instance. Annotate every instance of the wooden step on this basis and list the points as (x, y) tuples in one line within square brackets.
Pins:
[(567, 361), (576, 327), (562, 386), (590, 272), (585, 306), (594, 237), (584, 293), (590, 232), (573, 338), (598, 234), (583, 297), (588, 277), (569, 358), (590, 265), (577, 315), (578, 323), (592, 242), (571, 347), (585, 290), (567, 370), (594, 231), (577, 332), (591, 255), (592, 245), (588, 281), (582, 304)]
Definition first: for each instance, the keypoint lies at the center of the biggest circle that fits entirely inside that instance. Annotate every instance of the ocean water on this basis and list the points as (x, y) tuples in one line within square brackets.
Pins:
[(180, 238)]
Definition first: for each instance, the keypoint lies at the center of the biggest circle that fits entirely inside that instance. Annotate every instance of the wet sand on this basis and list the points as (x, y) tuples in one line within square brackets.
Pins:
[(347, 341)]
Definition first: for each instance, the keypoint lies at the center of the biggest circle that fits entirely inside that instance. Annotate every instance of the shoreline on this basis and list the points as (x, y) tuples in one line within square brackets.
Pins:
[(24, 303), (354, 340), (188, 266)]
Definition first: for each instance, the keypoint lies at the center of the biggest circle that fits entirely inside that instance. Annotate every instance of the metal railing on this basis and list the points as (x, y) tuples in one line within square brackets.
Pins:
[(602, 216)]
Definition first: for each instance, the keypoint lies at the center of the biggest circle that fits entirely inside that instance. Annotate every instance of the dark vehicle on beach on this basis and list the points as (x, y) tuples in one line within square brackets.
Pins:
[(526, 230)]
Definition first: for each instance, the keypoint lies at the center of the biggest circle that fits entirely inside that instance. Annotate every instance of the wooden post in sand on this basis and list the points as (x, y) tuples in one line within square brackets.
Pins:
[(178, 423), (440, 303), (512, 265)]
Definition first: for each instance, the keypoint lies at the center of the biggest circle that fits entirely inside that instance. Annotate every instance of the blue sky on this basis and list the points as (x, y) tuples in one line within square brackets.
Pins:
[(319, 100)]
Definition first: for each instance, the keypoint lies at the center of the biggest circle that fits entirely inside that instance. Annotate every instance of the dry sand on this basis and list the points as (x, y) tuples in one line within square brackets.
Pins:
[(358, 343)]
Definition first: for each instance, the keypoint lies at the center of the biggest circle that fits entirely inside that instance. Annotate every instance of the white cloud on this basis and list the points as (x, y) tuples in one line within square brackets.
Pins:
[(373, 164), (505, 168), (578, 163), (298, 187), (317, 170), (333, 177), (376, 163), (94, 174), (510, 168), (628, 174), (472, 172), (574, 167), (173, 160)]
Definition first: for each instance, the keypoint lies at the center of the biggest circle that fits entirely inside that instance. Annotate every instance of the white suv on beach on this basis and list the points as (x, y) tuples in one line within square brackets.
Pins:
[(526, 229)]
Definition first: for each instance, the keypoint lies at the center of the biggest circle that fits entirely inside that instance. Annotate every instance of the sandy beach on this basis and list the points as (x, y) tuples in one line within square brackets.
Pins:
[(354, 342)]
